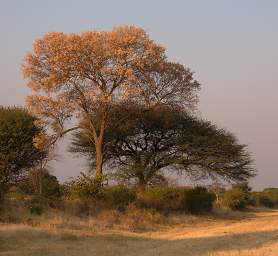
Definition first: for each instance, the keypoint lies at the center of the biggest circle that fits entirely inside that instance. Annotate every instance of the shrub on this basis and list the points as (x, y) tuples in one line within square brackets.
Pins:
[(84, 186), (36, 209), (137, 219), (235, 199), (25, 187), (119, 196), (265, 201), (195, 200), (272, 194), (198, 200), (37, 204), (162, 198), (77, 207), (50, 186)]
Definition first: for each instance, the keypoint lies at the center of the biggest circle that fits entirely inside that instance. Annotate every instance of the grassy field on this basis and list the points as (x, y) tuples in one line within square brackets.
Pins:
[(252, 234)]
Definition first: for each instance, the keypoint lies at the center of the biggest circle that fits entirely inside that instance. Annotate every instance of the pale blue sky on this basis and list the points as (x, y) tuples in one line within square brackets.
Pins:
[(231, 45)]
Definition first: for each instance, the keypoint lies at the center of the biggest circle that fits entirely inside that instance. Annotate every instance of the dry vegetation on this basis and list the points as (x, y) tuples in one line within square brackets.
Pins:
[(222, 233)]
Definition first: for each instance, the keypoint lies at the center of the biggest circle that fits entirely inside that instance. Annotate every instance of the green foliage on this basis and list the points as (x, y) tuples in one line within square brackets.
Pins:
[(84, 186), (244, 186), (162, 198), (162, 139), (272, 194), (265, 201), (37, 204), (17, 152), (50, 186), (119, 196), (236, 198), (167, 199), (36, 209), (26, 187), (266, 198), (198, 200)]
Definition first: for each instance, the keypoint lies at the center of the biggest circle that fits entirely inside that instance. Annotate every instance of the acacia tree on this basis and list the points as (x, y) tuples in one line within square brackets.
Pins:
[(83, 76), (157, 142)]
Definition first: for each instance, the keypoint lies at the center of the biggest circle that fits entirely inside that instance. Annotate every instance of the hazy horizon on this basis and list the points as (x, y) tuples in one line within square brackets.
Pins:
[(230, 45)]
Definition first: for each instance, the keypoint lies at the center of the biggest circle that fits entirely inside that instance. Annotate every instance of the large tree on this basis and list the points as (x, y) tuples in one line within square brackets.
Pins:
[(82, 77), (160, 141), (17, 151)]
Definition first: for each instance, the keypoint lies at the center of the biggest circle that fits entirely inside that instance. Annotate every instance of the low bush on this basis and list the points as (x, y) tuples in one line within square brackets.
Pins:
[(263, 199), (162, 199), (272, 194), (236, 199), (119, 196), (198, 200), (137, 219), (84, 186), (167, 199), (36, 205), (50, 186), (25, 187), (77, 207), (36, 209)]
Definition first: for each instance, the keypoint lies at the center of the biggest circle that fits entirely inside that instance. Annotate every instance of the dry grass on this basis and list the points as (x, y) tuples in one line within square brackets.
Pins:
[(224, 234)]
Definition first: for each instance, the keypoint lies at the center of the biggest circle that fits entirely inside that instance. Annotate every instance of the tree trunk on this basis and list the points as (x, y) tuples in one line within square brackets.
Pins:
[(99, 159), (142, 186), (40, 180)]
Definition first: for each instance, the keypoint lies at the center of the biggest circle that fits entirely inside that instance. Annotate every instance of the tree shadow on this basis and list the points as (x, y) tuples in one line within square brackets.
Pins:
[(190, 246), (43, 243), (248, 214)]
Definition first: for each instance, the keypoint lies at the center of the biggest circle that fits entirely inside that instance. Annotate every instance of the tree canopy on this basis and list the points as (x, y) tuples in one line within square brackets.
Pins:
[(130, 106), (162, 140), (84, 76), (17, 151)]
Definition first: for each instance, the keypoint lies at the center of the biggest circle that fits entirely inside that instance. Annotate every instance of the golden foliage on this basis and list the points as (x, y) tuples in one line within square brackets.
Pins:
[(77, 72), (81, 75)]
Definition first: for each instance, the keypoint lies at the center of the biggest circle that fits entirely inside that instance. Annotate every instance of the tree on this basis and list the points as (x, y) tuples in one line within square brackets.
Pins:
[(164, 140), (47, 185), (17, 151), (84, 76)]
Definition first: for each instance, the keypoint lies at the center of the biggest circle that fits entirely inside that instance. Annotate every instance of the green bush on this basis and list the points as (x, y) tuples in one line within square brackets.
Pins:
[(119, 196), (198, 200), (50, 186), (84, 186), (25, 187), (194, 200), (36, 209), (236, 199), (37, 204), (162, 198), (264, 199), (272, 194)]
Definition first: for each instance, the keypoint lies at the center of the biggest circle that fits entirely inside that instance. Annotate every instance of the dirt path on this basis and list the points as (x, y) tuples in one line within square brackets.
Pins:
[(256, 235)]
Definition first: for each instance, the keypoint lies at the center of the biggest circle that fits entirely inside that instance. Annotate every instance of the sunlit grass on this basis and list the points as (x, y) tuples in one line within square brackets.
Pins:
[(255, 235)]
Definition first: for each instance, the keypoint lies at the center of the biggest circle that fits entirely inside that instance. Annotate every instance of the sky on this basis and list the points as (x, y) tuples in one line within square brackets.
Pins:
[(232, 46)]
